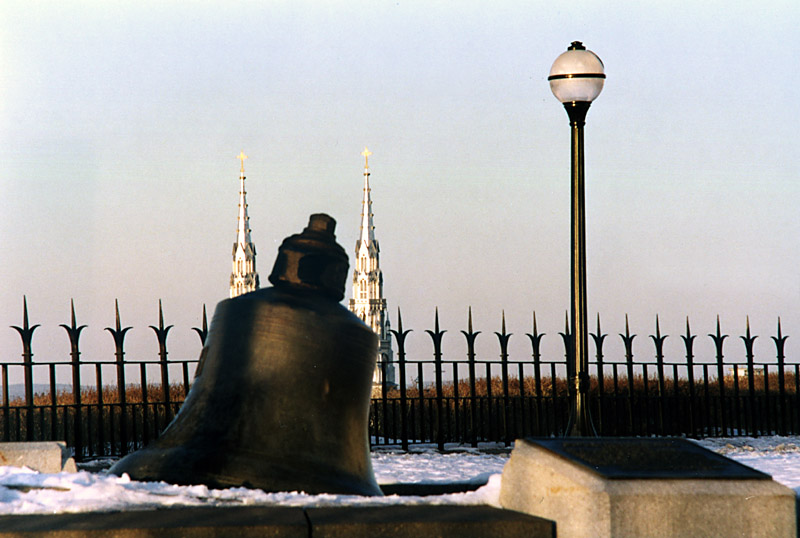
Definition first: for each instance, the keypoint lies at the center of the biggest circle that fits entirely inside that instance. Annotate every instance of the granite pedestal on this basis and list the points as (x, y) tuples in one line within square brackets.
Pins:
[(643, 488), (42, 456)]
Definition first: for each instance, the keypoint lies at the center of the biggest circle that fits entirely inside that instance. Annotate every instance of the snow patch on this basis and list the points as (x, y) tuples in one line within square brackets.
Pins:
[(23, 491)]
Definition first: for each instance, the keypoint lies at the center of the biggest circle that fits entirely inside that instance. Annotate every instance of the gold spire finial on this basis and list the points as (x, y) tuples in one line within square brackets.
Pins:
[(366, 153), (242, 157)]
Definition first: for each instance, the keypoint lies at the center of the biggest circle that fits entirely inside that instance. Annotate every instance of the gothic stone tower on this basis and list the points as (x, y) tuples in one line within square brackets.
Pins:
[(368, 302), (243, 277)]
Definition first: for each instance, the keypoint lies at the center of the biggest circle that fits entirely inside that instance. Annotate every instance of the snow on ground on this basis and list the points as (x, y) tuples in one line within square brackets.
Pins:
[(23, 491), (775, 455), (427, 466)]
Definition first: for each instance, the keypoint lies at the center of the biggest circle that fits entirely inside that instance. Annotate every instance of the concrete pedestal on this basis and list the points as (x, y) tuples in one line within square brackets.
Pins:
[(42, 456), (643, 488)]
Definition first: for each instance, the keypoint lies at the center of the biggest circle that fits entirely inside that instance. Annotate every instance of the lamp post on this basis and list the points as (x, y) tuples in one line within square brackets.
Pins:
[(576, 79)]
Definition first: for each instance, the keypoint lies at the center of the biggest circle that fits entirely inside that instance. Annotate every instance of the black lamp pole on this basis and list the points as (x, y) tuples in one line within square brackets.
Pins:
[(580, 419), (576, 79)]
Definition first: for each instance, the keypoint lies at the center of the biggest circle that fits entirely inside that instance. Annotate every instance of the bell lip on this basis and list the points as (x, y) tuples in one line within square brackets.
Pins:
[(154, 463)]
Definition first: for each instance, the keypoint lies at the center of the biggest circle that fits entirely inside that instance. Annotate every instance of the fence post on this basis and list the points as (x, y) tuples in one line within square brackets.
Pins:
[(74, 333), (26, 334), (736, 421), (780, 340), (400, 338), (536, 341), (793, 408), (161, 335), (100, 409), (719, 339), (627, 339), (53, 404), (688, 341), (119, 358), (421, 394), (436, 336), (566, 336), (598, 338), (658, 341), (503, 339), (471, 335), (145, 405), (384, 402), (6, 406), (750, 356)]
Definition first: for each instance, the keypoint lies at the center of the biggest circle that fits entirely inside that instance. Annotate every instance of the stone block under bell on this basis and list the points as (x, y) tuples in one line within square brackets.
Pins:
[(281, 396)]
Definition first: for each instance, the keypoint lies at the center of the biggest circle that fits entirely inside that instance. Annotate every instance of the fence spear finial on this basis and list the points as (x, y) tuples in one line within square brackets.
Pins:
[(118, 334), (400, 338), (780, 340), (436, 335), (658, 339), (202, 332), (627, 339), (25, 312), (688, 341), (719, 337), (161, 333), (535, 338), (689, 337), (26, 331), (503, 336), (73, 331)]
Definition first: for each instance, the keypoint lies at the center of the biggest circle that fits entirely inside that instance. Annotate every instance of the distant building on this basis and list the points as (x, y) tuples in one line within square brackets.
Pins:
[(244, 277), (368, 302)]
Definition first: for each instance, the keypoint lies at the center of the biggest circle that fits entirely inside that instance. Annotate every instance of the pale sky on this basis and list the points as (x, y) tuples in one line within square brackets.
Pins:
[(120, 123)]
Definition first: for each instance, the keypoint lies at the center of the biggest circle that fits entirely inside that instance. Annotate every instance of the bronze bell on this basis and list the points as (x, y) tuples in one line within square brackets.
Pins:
[(281, 396)]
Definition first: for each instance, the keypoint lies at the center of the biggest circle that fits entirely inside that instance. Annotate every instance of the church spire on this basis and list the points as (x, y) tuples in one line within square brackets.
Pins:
[(243, 222), (367, 227), (368, 302), (244, 277)]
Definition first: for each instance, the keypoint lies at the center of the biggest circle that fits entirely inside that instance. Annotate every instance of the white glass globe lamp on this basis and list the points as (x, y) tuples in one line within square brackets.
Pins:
[(577, 75)]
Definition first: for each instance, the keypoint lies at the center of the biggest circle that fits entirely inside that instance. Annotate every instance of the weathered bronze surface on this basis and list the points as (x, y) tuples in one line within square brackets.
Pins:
[(280, 400), (629, 458)]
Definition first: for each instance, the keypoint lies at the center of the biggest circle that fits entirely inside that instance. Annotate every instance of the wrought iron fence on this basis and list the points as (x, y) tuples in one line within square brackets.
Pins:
[(94, 417), (504, 400), (435, 401)]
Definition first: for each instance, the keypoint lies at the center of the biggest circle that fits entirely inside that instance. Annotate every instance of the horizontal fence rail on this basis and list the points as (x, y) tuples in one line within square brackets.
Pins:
[(110, 412)]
